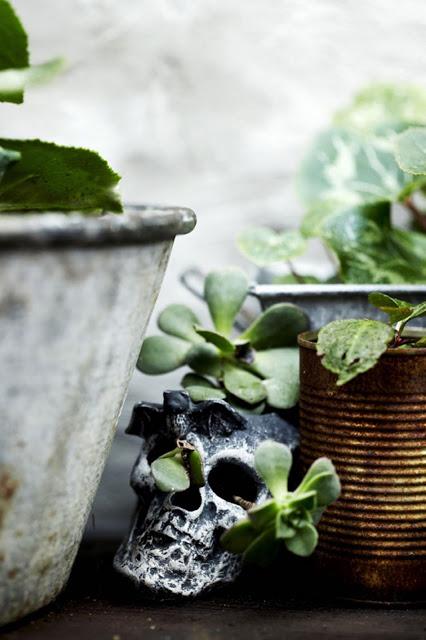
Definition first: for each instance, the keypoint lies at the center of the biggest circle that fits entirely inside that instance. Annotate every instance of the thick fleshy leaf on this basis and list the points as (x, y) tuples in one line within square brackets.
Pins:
[(161, 354), (196, 469), (239, 537), (262, 516), (263, 550), (200, 394), (219, 341), (195, 380), (13, 47), (410, 150), (7, 156), (13, 82), (264, 246), (381, 103), (170, 474), (225, 291), (303, 543), (283, 528), (53, 178), (243, 385), (321, 478), (278, 326), (280, 368), (273, 462), (303, 500), (350, 347), (179, 320), (205, 359)]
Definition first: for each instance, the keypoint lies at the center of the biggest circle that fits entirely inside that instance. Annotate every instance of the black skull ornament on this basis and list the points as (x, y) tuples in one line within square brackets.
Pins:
[(173, 548)]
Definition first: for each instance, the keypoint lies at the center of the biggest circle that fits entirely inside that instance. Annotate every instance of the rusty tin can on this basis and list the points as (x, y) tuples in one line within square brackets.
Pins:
[(373, 539)]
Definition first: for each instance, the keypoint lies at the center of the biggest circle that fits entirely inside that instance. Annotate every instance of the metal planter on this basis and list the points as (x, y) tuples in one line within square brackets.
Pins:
[(76, 294), (373, 539)]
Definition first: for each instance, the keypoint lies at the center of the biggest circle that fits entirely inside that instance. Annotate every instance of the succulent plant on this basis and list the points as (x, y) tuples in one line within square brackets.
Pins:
[(256, 369), (289, 517)]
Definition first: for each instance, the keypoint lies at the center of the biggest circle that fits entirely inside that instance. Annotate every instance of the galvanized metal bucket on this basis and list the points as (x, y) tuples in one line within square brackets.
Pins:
[(326, 302), (373, 539)]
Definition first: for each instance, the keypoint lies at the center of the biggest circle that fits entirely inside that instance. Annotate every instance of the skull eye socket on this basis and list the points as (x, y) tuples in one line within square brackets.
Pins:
[(230, 479), (190, 500)]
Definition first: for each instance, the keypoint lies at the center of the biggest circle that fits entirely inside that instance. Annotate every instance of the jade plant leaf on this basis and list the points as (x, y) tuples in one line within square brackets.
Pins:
[(239, 537), (205, 359), (410, 150), (264, 246), (278, 326), (264, 515), (170, 474), (225, 291), (195, 380), (161, 354), (55, 178), (273, 462), (196, 469), (280, 370), (13, 47), (7, 156), (350, 347), (200, 394), (243, 384), (304, 541), (263, 549), (179, 320), (322, 479), (219, 341)]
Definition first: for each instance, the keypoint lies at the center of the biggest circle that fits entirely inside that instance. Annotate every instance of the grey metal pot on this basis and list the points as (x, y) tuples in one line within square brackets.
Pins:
[(76, 294), (326, 302)]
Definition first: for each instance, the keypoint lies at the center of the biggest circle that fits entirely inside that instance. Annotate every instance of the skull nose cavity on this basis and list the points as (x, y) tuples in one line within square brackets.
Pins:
[(231, 479), (189, 500)]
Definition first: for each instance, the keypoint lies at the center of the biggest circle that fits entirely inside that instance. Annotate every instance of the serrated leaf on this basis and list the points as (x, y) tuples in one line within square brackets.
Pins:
[(351, 347), (277, 326), (263, 515), (225, 291), (179, 320), (243, 385), (263, 550), (49, 177), (239, 537), (280, 368), (264, 246), (170, 474), (303, 543), (321, 478), (410, 150), (219, 341), (13, 82), (13, 46), (7, 156), (205, 359), (161, 354), (396, 309), (201, 394), (273, 462)]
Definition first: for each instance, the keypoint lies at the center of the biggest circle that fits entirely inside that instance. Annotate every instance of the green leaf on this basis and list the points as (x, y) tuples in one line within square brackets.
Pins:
[(196, 469), (421, 342), (205, 359), (7, 156), (303, 500), (283, 530), (321, 478), (194, 380), (303, 543), (13, 47), (273, 463), (278, 326), (53, 178), (396, 309), (263, 550), (239, 537), (262, 516), (243, 385), (170, 474), (14, 81), (225, 291), (179, 320), (161, 354), (280, 368), (351, 347), (201, 394), (382, 103), (222, 343), (264, 246), (410, 150)]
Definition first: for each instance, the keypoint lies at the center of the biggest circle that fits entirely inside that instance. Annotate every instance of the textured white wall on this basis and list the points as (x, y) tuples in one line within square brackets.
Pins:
[(208, 104)]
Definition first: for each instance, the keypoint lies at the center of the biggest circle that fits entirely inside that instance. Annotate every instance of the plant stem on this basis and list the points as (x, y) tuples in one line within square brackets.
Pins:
[(419, 217)]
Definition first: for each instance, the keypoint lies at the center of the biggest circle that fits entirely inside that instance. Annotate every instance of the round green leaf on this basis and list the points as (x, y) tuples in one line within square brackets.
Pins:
[(304, 541), (170, 474), (280, 368), (273, 463), (194, 380), (243, 385), (263, 550), (322, 478), (410, 150), (196, 469), (219, 341), (278, 326), (205, 359), (239, 537), (264, 246), (179, 320), (225, 292), (201, 394), (262, 516), (161, 354)]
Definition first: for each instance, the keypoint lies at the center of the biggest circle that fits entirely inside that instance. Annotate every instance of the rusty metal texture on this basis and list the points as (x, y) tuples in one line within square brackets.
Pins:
[(373, 539)]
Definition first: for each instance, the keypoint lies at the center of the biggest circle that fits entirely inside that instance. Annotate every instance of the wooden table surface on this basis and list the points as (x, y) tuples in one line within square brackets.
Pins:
[(97, 606)]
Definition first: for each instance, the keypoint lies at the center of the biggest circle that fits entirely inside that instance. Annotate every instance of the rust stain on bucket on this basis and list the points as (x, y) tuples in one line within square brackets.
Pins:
[(373, 539)]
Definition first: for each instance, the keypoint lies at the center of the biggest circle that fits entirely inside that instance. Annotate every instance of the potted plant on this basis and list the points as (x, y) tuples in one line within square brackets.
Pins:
[(354, 177), (212, 475), (371, 420), (79, 278)]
